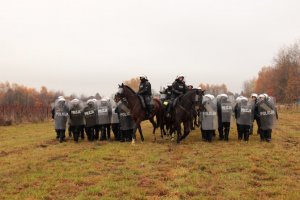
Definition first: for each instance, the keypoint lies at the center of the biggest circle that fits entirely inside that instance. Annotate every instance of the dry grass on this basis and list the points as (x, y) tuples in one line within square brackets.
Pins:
[(35, 166)]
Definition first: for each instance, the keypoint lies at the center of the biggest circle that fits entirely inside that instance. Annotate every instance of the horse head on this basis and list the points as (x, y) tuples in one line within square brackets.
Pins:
[(121, 90)]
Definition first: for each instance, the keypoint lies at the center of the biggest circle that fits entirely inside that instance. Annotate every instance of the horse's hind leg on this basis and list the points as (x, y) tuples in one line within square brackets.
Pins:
[(154, 128)]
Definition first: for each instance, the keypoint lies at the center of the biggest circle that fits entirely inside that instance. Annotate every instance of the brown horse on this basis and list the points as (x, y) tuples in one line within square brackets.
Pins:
[(183, 112), (138, 113)]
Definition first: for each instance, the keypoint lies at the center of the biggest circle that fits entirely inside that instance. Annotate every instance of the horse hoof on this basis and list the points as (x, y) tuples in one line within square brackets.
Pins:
[(133, 141)]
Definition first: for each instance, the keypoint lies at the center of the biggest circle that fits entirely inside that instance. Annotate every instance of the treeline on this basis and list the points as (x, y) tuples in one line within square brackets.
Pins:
[(19, 103), (282, 79), (15, 94)]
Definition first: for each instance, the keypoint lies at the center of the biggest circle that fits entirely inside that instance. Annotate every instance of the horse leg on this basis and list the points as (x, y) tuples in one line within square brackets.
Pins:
[(154, 128), (178, 127), (134, 133), (186, 126), (141, 133), (137, 126)]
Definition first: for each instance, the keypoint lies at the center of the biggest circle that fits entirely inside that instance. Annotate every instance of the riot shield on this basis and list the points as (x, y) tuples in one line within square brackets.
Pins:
[(61, 114), (90, 113), (245, 112), (114, 117), (226, 110), (267, 113), (209, 115), (104, 112), (76, 113), (126, 122)]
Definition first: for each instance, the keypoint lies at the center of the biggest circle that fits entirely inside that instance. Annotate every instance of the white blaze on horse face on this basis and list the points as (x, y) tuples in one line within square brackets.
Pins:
[(120, 91)]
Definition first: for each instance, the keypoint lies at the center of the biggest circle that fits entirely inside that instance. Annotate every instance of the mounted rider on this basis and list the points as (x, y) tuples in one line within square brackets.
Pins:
[(165, 95), (190, 87), (146, 93), (178, 88)]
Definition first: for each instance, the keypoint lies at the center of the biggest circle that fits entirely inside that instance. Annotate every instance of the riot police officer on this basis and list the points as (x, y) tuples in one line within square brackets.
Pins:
[(244, 117), (178, 88), (90, 114), (208, 117), (126, 122), (76, 118), (224, 108), (166, 93), (190, 87), (268, 115), (60, 118), (146, 93)]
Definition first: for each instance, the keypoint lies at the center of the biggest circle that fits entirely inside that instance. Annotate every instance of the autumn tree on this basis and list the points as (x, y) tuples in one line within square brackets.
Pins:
[(133, 83), (282, 80), (214, 89)]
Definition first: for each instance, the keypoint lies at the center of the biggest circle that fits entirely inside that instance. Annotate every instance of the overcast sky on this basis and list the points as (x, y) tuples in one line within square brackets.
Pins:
[(89, 46)]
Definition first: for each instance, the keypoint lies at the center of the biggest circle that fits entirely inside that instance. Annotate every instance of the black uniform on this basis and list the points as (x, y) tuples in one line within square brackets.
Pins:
[(267, 113), (178, 88), (77, 122), (146, 93), (126, 122), (224, 110), (90, 114), (167, 92), (244, 118)]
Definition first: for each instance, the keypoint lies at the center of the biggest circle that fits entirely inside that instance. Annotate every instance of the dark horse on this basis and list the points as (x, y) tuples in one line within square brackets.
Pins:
[(183, 112), (137, 111)]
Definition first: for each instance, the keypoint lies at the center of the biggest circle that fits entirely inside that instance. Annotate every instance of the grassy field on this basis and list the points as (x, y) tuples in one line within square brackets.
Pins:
[(33, 165)]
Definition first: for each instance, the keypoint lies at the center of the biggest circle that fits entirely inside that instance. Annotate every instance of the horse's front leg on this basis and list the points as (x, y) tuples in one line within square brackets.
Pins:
[(178, 127), (137, 125), (134, 133), (187, 129), (154, 127), (141, 133)]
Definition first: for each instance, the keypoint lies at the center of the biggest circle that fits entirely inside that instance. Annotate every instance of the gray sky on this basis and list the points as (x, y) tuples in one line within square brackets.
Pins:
[(89, 46)]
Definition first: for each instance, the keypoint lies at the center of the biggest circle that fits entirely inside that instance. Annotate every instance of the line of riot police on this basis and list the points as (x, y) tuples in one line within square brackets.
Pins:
[(96, 118), (216, 114)]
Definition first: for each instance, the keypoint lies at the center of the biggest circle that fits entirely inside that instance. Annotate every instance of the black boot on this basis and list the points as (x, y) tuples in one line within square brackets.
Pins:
[(76, 132), (108, 132), (268, 135), (61, 136), (262, 135), (122, 136), (221, 134), (82, 132), (57, 134), (226, 135)]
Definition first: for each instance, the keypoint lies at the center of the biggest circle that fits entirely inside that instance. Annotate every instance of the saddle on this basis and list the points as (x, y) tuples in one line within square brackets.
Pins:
[(142, 100), (176, 101)]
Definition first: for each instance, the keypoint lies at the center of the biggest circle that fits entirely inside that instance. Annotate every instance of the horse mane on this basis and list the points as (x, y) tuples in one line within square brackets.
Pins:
[(187, 94), (130, 89)]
